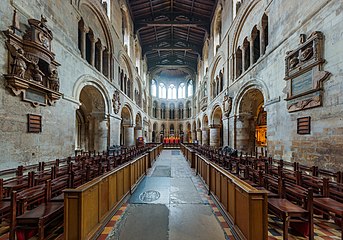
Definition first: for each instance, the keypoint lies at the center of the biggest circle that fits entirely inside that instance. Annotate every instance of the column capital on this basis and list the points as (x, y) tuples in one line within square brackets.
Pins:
[(214, 126)]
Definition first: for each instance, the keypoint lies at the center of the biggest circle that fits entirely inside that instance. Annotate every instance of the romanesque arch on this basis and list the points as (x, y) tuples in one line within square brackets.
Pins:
[(251, 124), (216, 127), (205, 130), (127, 128), (91, 121)]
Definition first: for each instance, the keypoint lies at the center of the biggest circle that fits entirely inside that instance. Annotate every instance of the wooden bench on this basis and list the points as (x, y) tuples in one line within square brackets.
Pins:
[(290, 212), (44, 218), (331, 204)]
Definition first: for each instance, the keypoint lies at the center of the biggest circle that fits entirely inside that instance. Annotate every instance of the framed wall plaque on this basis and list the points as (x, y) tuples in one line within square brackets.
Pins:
[(304, 125), (34, 123)]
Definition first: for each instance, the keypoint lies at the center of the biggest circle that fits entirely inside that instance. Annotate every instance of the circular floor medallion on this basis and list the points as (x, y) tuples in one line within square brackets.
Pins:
[(149, 196)]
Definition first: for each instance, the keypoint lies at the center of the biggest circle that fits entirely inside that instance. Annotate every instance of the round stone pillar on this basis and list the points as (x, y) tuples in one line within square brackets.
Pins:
[(129, 135), (138, 133), (204, 136), (194, 136), (102, 136), (199, 138), (215, 135)]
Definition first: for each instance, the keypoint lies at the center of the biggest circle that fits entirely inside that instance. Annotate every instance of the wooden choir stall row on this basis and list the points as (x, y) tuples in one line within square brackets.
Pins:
[(291, 191), (43, 202)]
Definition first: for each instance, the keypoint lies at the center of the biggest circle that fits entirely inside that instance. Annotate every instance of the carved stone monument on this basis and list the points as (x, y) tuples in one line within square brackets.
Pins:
[(116, 102), (304, 74), (32, 69)]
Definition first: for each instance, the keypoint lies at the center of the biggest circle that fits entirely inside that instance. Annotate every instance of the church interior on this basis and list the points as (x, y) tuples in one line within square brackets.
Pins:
[(171, 119)]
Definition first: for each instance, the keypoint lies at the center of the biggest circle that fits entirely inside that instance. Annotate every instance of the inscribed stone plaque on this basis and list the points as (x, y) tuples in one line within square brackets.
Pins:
[(34, 96), (302, 83)]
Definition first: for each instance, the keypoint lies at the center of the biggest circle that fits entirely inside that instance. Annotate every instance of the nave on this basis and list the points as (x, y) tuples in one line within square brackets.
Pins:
[(173, 203)]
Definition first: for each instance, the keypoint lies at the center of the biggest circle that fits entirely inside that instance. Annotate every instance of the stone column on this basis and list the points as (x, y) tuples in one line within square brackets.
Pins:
[(115, 122), (226, 132), (102, 135), (204, 136), (129, 135), (262, 42), (199, 133), (251, 41), (235, 65), (215, 135), (194, 136), (83, 42), (92, 39), (243, 58), (108, 63), (101, 50), (138, 132)]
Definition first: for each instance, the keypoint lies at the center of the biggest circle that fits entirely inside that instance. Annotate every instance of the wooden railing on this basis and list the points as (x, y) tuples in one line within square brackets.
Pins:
[(88, 207), (245, 206)]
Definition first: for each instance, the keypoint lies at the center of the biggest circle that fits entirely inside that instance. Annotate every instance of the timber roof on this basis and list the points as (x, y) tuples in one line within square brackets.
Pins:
[(172, 32)]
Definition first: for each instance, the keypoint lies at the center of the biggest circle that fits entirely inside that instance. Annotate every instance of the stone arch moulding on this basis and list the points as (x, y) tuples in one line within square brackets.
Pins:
[(240, 21), (96, 7), (125, 60), (254, 83), (127, 106), (88, 80), (213, 111), (217, 64)]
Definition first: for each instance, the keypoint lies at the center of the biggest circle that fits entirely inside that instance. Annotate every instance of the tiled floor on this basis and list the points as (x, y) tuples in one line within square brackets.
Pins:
[(192, 213), (324, 230)]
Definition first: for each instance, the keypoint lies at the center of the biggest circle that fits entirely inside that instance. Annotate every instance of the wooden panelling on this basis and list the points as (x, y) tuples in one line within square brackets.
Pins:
[(242, 212), (90, 201), (89, 206), (112, 186), (104, 194), (223, 190)]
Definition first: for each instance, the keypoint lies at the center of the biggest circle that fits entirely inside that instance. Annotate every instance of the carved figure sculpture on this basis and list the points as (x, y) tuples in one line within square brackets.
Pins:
[(54, 82), (19, 65), (37, 74)]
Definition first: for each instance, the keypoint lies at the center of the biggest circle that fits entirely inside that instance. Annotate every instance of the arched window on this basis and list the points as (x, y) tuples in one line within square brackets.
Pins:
[(154, 109), (153, 88), (190, 88), (171, 92), (107, 6), (163, 111), (181, 115), (182, 91), (172, 111), (162, 91)]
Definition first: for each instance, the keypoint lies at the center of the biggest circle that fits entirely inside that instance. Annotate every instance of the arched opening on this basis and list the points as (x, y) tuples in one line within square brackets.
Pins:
[(91, 121), (154, 132), (216, 128), (255, 36), (251, 127), (138, 127), (246, 47), (194, 133), (162, 132), (181, 111), (239, 62), (217, 30), (188, 133), (127, 131), (171, 130), (205, 131), (163, 111), (199, 132), (172, 111)]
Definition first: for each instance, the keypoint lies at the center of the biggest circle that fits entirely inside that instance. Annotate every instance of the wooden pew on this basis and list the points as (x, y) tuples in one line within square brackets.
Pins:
[(292, 213), (44, 218), (331, 204)]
